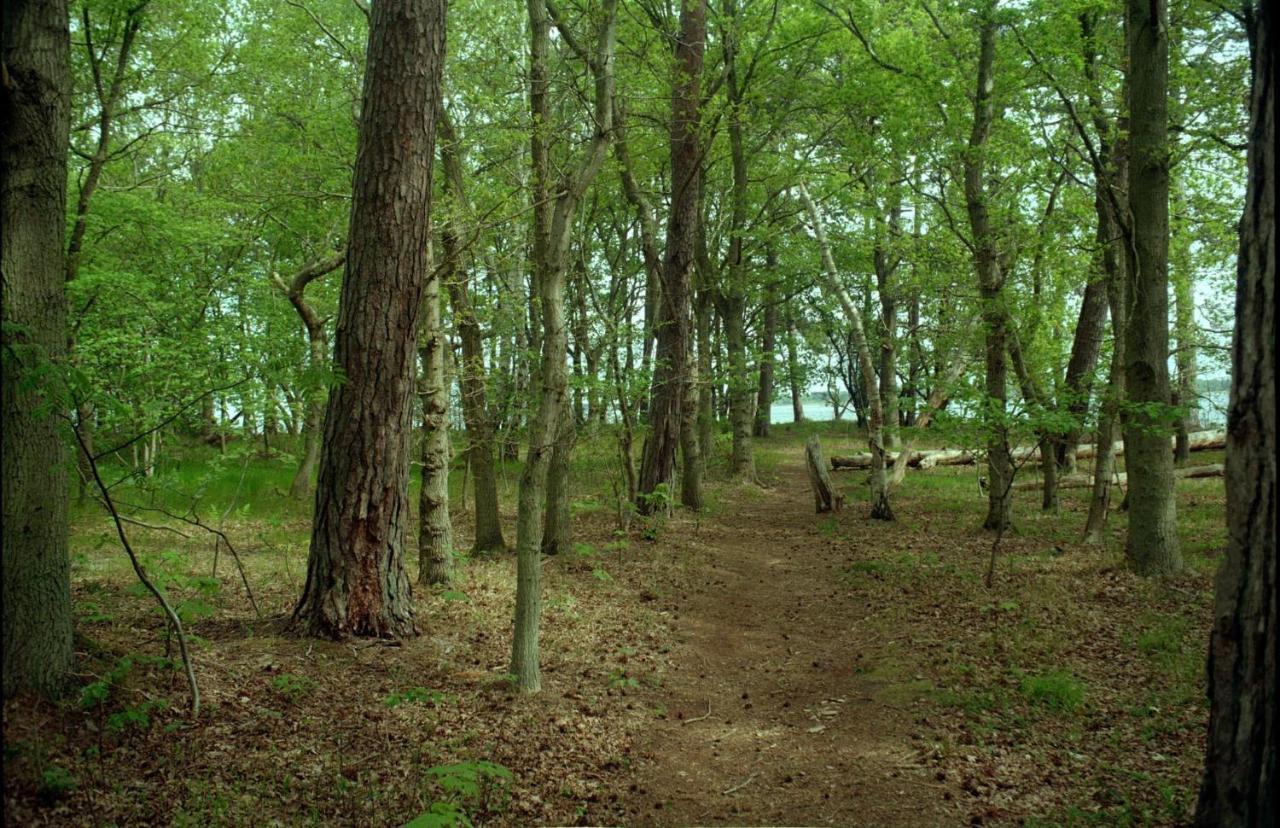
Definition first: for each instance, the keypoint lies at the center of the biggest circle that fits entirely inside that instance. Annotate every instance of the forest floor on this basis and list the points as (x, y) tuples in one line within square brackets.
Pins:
[(755, 664)]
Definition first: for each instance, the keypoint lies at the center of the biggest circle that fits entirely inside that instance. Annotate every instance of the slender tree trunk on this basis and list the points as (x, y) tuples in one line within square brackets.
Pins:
[(356, 581), (1240, 781), (690, 457), (35, 48), (472, 381), (793, 372), (1185, 360), (741, 388), (880, 508), (318, 361), (666, 411), (1086, 345), (990, 280), (706, 412), (555, 534), (435, 530), (887, 289), (768, 344), (555, 206), (732, 294), (1152, 547), (915, 361)]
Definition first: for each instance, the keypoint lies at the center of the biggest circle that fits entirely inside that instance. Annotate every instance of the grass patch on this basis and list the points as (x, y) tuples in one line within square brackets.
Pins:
[(1056, 690)]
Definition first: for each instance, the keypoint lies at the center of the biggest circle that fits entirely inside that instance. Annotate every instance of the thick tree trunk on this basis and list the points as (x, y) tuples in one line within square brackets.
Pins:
[(1240, 782), (35, 48), (356, 581), (1152, 547), (666, 410), (435, 530), (990, 279)]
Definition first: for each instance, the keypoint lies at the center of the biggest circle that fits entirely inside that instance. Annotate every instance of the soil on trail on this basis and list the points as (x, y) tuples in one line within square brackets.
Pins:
[(771, 716)]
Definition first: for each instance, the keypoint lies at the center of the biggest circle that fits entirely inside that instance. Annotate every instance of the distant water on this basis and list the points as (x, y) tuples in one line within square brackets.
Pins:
[(780, 412), (1213, 410)]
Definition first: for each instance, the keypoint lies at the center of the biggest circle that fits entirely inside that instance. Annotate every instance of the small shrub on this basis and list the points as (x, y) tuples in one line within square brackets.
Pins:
[(476, 788), (291, 686), (55, 783)]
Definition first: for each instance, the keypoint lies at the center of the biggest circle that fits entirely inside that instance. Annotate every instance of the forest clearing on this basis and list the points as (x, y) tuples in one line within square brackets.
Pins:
[(639, 412)]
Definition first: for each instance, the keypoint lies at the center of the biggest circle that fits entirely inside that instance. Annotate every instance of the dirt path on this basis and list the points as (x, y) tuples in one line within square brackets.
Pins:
[(771, 719)]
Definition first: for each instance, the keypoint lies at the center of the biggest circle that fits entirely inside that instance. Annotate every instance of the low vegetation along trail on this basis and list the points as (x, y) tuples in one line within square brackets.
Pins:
[(772, 718)]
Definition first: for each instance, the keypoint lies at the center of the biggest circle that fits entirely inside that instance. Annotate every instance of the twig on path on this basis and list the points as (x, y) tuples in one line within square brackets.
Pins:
[(706, 715), (741, 785)]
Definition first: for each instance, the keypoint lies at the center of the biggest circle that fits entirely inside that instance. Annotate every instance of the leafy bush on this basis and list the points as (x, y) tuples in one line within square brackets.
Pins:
[(476, 788)]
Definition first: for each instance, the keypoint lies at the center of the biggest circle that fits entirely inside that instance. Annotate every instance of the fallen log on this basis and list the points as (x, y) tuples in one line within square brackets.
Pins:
[(1197, 441), (825, 498), (1084, 481)]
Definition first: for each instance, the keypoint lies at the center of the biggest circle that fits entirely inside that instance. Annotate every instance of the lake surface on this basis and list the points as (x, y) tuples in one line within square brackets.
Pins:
[(1213, 410)]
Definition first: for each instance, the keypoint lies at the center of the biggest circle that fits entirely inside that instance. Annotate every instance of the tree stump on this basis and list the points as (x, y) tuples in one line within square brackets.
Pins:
[(825, 498)]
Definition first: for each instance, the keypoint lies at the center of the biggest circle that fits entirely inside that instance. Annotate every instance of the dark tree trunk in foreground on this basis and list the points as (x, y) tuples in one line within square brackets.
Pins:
[(1152, 546), (33, 196), (356, 580), (1240, 783), (666, 409)]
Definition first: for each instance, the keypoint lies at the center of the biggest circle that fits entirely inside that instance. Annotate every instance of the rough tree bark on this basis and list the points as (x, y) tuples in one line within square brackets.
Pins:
[(356, 581), (1240, 781), (35, 55), (1152, 546), (880, 508), (666, 409)]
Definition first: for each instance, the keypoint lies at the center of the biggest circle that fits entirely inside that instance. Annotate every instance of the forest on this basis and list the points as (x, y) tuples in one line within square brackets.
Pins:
[(639, 412)]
